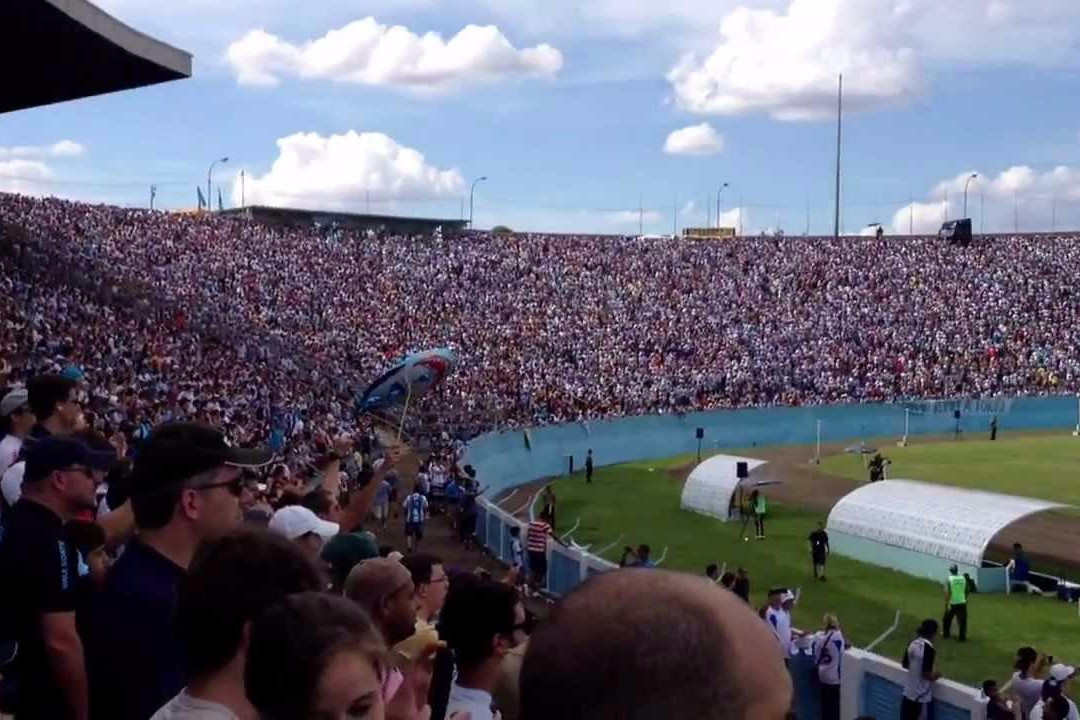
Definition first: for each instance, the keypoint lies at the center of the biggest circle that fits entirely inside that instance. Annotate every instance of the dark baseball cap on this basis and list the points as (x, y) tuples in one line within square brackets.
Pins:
[(49, 454), (175, 452)]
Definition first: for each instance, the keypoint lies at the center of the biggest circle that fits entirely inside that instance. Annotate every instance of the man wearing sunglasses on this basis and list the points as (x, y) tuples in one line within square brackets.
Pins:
[(56, 404), (185, 488), (40, 569)]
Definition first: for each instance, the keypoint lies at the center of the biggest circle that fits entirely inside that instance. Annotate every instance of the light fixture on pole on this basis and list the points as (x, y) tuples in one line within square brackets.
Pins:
[(209, 174), (718, 204), (472, 190), (966, 183)]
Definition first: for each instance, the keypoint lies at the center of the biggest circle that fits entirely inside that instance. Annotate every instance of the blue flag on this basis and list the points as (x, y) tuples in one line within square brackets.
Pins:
[(202, 200)]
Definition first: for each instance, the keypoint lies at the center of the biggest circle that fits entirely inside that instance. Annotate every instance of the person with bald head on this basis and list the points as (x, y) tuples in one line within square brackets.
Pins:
[(641, 644)]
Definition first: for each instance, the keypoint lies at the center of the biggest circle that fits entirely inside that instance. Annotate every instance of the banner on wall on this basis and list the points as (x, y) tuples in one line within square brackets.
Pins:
[(966, 406)]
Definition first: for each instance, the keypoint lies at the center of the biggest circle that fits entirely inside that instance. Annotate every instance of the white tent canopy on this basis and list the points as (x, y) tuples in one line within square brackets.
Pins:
[(951, 523), (711, 484)]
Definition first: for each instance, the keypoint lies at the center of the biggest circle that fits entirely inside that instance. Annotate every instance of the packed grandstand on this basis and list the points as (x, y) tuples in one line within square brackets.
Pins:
[(548, 328)]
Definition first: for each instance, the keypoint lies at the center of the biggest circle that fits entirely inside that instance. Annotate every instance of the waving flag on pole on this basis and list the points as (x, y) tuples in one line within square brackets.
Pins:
[(202, 200), (220, 205)]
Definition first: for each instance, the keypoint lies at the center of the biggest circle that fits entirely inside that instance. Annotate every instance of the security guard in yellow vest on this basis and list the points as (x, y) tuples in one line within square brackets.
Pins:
[(956, 597)]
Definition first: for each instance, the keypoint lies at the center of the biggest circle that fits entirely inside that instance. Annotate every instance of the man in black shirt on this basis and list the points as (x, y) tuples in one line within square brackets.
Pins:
[(185, 488), (588, 466), (741, 586), (819, 550), (40, 569)]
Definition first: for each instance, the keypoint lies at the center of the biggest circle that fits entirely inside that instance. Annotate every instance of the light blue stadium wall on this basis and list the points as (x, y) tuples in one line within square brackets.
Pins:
[(503, 460)]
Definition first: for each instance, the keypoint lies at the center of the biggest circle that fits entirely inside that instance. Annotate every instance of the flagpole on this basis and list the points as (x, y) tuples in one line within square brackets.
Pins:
[(405, 411)]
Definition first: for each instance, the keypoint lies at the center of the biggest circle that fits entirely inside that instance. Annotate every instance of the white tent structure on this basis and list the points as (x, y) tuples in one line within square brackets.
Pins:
[(921, 528), (711, 485)]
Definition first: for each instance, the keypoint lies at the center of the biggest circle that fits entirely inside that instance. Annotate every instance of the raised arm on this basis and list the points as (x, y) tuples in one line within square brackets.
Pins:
[(361, 501)]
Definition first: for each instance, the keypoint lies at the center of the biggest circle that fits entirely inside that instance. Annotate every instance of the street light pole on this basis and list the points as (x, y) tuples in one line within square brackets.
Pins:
[(209, 174), (471, 191), (966, 183), (718, 204)]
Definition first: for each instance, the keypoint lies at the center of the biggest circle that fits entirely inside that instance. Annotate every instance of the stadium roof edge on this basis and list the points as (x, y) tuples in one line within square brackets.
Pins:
[(135, 42), (52, 40), (308, 211)]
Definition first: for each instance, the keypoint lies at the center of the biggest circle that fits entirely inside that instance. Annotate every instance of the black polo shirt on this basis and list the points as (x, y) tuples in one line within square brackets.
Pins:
[(39, 570), (137, 661)]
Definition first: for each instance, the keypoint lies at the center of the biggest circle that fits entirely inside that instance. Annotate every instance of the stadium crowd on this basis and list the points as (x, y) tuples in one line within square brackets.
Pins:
[(553, 328), (187, 486)]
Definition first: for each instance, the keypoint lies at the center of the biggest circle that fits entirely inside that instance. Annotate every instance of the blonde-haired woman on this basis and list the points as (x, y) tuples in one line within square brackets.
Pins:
[(829, 645)]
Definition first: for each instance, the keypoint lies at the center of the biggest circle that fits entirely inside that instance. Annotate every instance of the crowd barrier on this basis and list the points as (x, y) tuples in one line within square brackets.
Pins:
[(872, 684)]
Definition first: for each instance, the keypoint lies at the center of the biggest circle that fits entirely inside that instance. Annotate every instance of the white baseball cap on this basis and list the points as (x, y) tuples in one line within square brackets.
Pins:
[(14, 400), (295, 521), (1061, 672)]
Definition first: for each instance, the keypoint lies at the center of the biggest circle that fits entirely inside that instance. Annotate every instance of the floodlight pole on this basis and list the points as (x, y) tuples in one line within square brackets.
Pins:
[(209, 178), (472, 191), (966, 183), (718, 192)]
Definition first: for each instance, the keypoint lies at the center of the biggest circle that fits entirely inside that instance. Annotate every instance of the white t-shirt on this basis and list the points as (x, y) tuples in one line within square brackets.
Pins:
[(9, 451), (1037, 711), (1029, 690), (780, 623), (186, 707), (828, 650), (919, 660), (11, 484), (468, 700)]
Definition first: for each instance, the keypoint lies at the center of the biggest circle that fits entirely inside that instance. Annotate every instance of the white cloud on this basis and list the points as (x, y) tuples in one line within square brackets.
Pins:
[(694, 140), (66, 148), (29, 177), (338, 172), (63, 148), (626, 217), (732, 218), (690, 208), (1017, 196), (786, 64), (368, 53)]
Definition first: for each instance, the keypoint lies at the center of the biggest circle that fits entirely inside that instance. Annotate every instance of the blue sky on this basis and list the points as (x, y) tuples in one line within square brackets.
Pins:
[(568, 107)]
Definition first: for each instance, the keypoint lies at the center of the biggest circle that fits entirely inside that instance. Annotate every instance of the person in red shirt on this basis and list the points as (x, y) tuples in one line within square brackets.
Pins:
[(536, 539)]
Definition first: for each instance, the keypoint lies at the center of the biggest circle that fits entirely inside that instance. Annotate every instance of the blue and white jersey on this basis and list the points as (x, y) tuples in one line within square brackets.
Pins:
[(415, 508)]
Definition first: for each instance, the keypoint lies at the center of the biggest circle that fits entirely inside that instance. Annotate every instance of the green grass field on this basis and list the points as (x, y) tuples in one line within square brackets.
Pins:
[(1046, 467), (641, 501)]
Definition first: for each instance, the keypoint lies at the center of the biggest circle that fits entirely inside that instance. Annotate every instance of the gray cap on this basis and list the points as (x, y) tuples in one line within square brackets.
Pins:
[(17, 398)]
